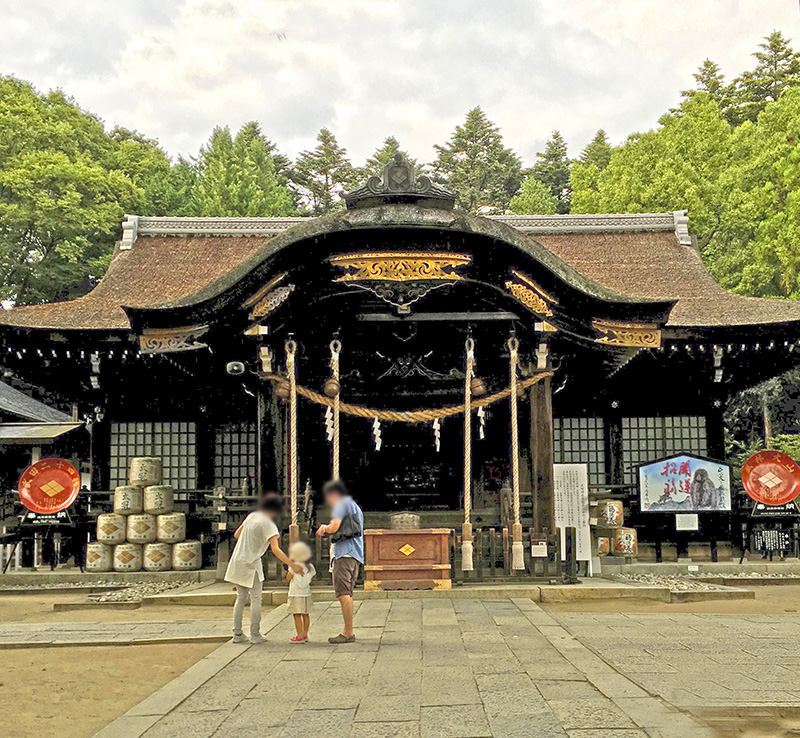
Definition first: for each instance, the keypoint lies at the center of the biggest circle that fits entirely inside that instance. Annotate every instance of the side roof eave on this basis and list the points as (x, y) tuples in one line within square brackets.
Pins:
[(255, 266)]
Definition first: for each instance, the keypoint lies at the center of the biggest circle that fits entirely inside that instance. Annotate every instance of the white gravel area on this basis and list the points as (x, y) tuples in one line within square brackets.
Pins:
[(137, 591), (674, 582)]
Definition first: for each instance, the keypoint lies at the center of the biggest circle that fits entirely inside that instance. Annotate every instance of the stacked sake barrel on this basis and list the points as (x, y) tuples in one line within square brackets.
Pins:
[(143, 531), (616, 539)]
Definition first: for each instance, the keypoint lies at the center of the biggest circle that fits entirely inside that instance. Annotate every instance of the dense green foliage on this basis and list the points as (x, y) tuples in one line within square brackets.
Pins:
[(729, 154), (475, 163), (552, 169), (534, 198)]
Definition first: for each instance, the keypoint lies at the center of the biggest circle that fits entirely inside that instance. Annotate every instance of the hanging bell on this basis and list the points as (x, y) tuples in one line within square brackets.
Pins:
[(520, 390), (332, 387), (477, 387), (282, 388)]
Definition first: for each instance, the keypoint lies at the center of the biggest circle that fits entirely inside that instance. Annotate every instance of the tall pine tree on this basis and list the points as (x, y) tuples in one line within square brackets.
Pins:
[(382, 156), (585, 174), (323, 174), (708, 79), (236, 176), (777, 69), (552, 169), (476, 164)]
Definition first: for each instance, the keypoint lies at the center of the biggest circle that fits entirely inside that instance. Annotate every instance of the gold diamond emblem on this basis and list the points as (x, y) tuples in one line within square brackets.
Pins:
[(126, 557), (407, 550), (109, 528), (52, 488), (140, 526), (92, 556), (156, 556), (186, 555), (169, 527)]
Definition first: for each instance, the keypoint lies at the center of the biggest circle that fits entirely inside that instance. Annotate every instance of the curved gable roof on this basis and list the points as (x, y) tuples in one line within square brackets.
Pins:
[(174, 261)]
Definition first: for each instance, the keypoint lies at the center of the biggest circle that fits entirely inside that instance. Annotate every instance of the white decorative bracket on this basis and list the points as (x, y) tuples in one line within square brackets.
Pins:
[(681, 220), (130, 228)]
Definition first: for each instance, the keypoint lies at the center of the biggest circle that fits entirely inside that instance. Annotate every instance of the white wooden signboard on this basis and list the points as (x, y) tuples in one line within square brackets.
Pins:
[(571, 487)]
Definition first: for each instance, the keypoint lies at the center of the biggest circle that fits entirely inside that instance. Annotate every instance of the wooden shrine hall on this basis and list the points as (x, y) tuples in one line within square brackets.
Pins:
[(231, 347)]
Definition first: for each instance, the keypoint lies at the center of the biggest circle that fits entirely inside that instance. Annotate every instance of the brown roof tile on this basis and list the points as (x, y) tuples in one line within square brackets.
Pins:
[(655, 265), (156, 270), (642, 264)]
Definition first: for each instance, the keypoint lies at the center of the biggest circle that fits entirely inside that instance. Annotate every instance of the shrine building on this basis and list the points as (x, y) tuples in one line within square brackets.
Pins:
[(627, 348)]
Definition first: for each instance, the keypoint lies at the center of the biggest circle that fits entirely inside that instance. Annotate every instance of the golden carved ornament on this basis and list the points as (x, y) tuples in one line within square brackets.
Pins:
[(400, 266), (529, 297), (271, 301), (157, 341), (639, 335), (535, 287)]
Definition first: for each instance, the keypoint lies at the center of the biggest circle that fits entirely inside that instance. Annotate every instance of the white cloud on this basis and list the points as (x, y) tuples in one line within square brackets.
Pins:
[(371, 68)]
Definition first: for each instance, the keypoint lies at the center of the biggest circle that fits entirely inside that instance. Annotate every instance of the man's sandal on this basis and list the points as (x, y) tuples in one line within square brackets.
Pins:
[(342, 639)]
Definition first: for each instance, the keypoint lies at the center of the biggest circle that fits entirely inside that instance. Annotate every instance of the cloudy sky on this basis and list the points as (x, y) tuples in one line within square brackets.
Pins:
[(174, 69)]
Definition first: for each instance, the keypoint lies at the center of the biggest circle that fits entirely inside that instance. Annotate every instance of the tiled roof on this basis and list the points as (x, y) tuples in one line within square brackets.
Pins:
[(161, 260)]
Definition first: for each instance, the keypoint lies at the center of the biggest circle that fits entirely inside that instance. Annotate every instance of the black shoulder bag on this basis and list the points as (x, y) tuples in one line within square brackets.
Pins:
[(349, 528)]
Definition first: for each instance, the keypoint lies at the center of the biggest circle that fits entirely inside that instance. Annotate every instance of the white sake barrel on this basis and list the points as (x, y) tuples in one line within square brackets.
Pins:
[(157, 557), (127, 500), (127, 557), (610, 513), (145, 471), (99, 557), (187, 556), (111, 528), (624, 542), (171, 528), (158, 499), (141, 528)]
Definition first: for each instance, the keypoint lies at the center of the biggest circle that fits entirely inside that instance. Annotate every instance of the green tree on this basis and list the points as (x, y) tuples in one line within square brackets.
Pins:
[(777, 69), (709, 79), (63, 192), (756, 249), (552, 168), (236, 176), (534, 198), (476, 164), (584, 174), (680, 165), (597, 151), (323, 174), (382, 156)]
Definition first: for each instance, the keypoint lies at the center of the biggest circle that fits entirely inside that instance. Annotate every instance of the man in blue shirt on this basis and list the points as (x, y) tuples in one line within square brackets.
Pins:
[(346, 530)]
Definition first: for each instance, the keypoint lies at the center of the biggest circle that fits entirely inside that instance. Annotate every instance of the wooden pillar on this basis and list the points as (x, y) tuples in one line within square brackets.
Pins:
[(205, 451), (612, 429), (715, 429), (541, 445), (271, 451), (101, 455)]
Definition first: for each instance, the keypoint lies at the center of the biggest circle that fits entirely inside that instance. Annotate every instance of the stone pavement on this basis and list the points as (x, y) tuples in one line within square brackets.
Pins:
[(31, 635), (699, 661), (427, 668)]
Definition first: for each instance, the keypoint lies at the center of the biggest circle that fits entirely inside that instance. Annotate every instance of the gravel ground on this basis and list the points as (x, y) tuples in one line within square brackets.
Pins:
[(61, 585), (136, 591), (675, 583), (748, 575)]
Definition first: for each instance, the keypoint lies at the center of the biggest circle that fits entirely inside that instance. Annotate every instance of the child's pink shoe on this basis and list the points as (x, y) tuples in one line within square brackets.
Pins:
[(298, 639)]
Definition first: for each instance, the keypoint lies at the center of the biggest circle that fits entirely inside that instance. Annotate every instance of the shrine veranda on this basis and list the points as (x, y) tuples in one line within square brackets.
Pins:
[(627, 353)]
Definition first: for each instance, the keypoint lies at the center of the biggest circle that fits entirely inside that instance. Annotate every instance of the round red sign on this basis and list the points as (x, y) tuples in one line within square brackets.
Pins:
[(49, 485), (771, 477)]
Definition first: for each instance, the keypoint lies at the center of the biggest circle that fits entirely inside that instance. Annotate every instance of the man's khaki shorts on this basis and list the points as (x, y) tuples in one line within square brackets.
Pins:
[(345, 574)]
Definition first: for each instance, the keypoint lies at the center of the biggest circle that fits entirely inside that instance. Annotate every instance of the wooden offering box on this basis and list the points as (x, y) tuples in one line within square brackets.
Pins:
[(412, 558)]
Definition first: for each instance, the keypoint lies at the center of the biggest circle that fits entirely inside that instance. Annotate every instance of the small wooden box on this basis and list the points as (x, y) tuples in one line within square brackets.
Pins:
[(413, 558)]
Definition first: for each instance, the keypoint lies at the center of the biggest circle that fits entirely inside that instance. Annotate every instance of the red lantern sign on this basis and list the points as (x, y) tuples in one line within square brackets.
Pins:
[(49, 485), (771, 477)]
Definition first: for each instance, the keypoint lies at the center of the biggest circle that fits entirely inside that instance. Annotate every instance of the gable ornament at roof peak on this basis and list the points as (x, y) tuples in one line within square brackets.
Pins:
[(399, 183)]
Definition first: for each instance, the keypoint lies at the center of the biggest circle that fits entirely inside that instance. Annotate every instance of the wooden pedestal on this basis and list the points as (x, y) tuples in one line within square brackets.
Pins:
[(414, 558)]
